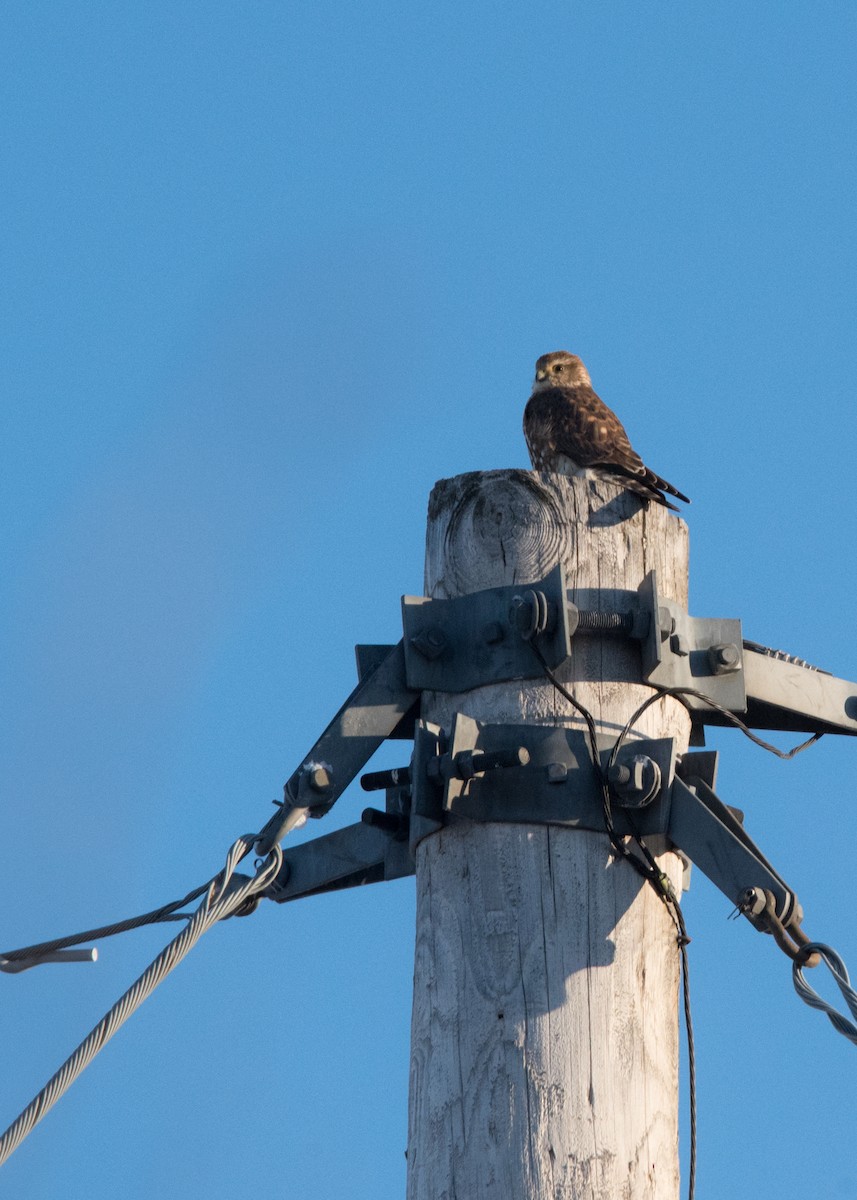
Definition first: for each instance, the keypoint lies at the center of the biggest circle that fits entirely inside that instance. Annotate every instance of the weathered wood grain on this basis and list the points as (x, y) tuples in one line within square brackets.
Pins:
[(545, 1028)]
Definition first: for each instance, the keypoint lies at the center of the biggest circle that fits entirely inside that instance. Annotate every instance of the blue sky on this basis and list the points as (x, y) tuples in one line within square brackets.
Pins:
[(269, 271)]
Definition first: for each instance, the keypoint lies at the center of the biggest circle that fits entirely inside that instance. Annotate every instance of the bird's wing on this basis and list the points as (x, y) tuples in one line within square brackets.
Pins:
[(648, 479), (576, 422)]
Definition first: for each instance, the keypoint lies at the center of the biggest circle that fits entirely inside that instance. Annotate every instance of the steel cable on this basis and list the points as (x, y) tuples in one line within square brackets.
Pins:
[(811, 997), (223, 896)]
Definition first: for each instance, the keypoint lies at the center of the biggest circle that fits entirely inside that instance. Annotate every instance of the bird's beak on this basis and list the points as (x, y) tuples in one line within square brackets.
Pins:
[(541, 376)]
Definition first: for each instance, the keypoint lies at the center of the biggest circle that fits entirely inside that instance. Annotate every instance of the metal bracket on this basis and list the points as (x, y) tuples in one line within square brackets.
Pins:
[(370, 656), (539, 774), (769, 689), (349, 857), (556, 784), (426, 808), (712, 836), (784, 693), (378, 705), (459, 644), (463, 643), (704, 653), (475, 771)]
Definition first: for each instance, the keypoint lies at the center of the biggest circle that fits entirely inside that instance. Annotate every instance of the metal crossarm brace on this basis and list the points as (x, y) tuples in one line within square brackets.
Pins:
[(552, 783), (784, 694), (465, 642), (373, 711), (708, 832), (346, 858), (453, 645)]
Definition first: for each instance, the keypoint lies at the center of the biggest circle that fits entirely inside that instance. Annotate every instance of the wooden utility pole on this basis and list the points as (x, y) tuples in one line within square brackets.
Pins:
[(544, 1053)]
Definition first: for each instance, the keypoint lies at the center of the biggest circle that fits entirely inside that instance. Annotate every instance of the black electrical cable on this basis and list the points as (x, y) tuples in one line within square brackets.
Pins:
[(167, 912), (691, 1055), (678, 692), (650, 871)]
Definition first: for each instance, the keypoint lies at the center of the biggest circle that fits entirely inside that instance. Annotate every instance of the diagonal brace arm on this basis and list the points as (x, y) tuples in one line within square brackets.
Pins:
[(708, 832), (381, 700)]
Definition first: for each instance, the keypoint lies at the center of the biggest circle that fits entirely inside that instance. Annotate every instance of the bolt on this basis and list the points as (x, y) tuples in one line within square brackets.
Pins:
[(619, 775), (724, 658), (468, 763), (532, 614), (679, 644), (388, 822), (319, 779), (377, 781), (637, 781), (752, 901), (493, 633), (430, 643), (557, 772), (594, 621)]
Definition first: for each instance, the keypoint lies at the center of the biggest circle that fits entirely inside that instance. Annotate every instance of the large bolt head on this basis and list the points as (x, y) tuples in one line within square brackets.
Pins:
[(430, 642), (636, 780), (724, 658), (319, 779)]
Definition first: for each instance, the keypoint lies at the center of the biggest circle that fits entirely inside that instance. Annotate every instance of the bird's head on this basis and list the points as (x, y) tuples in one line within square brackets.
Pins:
[(560, 369)]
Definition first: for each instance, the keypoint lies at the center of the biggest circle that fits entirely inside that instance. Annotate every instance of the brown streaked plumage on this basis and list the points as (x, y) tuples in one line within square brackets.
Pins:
[(571, 431)]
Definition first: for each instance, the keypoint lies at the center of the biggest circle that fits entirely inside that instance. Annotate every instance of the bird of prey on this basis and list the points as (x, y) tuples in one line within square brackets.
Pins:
[(571, 431)]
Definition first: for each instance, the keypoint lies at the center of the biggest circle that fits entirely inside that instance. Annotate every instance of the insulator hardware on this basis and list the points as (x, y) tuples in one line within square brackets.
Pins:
[(759, 905)]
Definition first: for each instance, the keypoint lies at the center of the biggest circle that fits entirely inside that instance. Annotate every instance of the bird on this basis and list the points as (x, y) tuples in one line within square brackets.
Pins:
[(571, 431)]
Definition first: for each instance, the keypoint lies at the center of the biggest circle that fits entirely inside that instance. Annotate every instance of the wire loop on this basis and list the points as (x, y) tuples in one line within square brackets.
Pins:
[(837, 968)]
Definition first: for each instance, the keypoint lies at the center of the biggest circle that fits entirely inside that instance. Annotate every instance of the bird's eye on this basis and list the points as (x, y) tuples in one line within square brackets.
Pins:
[(557, 368)]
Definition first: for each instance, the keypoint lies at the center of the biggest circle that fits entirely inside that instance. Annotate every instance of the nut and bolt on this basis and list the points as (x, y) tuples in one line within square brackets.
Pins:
[(532, 614), (636, 780), (680, 644), (319, 779), (724, 658), (430, 642), (752, 902)]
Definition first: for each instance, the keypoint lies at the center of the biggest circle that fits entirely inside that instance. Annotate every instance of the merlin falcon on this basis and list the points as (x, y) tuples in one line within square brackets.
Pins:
[(571, 431)]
